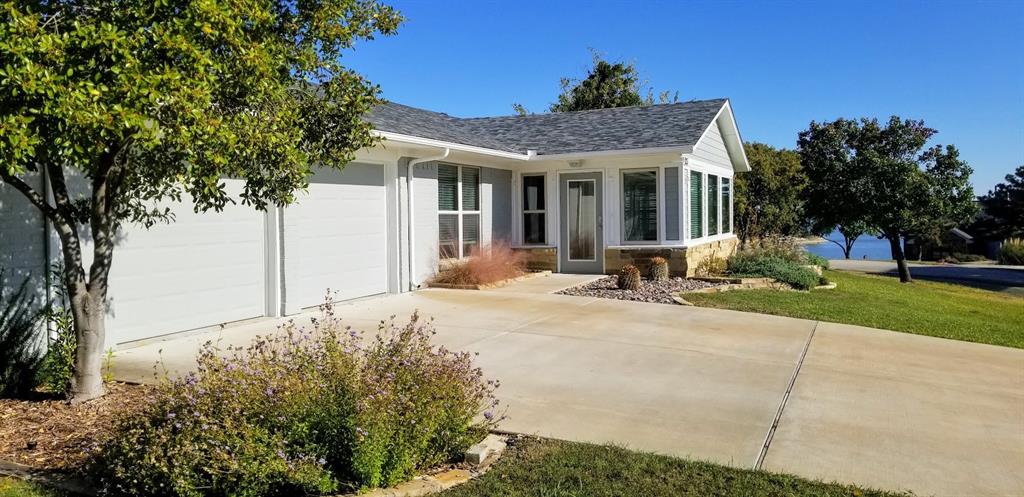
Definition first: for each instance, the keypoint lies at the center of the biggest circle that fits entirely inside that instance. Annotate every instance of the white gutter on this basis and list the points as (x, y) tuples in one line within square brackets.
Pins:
[(416, 140), (412, 225)]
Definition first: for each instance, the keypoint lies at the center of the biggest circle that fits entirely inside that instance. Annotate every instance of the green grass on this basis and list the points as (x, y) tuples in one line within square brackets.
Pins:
[(549, 468), (12, 487), (923, 307)]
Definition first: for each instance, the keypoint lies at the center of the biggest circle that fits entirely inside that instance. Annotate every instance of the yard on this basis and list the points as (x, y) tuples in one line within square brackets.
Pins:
[(924, 308), (550, 468)]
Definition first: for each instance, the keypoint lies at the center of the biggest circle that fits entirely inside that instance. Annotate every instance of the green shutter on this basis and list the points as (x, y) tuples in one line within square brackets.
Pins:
[(726, 206), (696, 205), (712, 204)]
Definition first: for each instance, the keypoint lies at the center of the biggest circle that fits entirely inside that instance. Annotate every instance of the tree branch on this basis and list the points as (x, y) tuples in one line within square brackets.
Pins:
[(33, 196)]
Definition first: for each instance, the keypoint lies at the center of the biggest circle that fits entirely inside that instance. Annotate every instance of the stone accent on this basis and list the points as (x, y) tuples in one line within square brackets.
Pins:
[(486, 451), (681, 261), (540, 258)]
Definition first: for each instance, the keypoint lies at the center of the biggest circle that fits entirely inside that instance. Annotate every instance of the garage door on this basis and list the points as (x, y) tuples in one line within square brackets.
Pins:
[(199, 271), (335, 237)]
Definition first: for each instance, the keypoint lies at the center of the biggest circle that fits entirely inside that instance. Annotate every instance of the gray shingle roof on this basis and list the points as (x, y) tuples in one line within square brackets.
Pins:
[(623, 128)]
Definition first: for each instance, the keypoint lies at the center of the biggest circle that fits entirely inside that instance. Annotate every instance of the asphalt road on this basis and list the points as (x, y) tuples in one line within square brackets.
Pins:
[(1008, 279)]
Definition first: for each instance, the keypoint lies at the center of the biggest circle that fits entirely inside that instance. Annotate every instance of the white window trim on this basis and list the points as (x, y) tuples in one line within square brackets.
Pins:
[(461, 212), (659, 215), (718, 206), (704, 169), (523, 211)]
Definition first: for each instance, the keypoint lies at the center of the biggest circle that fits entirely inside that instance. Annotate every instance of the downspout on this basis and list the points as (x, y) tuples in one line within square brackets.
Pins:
[(413, 284)]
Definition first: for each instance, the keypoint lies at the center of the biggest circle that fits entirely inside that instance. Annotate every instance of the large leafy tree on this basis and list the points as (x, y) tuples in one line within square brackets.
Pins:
[(896, 187), (1003, 208), (768, 198), (607, 85), (136, 102)]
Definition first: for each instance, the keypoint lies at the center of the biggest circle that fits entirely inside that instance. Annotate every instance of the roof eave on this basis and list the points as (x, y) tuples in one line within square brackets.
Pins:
[(461, 147), (615, 153)]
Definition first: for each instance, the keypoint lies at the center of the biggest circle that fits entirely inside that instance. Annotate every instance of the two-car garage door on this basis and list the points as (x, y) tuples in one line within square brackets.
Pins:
[(208, 269)]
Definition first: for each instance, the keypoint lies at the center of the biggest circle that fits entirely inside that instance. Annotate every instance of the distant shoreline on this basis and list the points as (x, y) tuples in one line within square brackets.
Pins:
[(809, 240)]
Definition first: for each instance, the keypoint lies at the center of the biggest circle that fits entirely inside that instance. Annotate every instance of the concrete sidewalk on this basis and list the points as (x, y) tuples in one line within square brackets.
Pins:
[(868, 406)]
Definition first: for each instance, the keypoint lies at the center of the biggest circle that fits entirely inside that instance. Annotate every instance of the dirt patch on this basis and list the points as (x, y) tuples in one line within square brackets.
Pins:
[(661, 292), (55, 434)]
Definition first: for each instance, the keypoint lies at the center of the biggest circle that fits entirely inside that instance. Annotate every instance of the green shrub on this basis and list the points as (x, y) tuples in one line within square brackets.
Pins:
[(752, 263), (304, 411), (1012, 252), (59, 362), (816, 260), (20, 355)]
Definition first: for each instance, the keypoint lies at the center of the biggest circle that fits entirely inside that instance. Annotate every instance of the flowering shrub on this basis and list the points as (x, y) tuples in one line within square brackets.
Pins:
[(305, 411), (490, 264)]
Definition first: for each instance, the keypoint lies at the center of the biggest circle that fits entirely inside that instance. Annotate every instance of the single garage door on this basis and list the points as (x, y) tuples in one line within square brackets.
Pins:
[(335, 237), (201, 270)]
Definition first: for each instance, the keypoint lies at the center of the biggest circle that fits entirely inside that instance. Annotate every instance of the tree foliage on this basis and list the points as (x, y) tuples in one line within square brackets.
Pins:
[(1003, 209), (768, 198), (607, 85), (883, 177), (141, 101)]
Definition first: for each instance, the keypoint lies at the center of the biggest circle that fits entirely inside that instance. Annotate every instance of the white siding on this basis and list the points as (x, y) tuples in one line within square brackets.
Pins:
[(711, 148), (22, 240)]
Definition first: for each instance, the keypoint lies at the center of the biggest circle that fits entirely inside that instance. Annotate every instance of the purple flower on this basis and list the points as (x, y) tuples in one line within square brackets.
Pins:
[(280, 453), (489, 415), (321, 461), (170, 415)]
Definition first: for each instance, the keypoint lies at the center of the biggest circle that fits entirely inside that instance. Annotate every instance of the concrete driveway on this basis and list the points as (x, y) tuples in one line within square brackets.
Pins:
[(851, 404)]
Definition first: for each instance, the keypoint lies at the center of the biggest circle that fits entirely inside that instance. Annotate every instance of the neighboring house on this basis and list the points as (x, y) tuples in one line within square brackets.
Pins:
[(582, 192)]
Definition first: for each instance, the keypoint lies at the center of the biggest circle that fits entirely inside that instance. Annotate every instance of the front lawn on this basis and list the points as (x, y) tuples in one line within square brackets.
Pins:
[(924, 307), (551, 468)]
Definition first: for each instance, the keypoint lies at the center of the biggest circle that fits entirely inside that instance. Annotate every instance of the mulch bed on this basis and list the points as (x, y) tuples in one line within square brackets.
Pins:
[(660, 292), (53, 434)]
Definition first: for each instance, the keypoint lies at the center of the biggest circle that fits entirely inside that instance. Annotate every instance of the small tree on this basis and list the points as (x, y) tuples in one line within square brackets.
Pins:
[(141, 101), (886, 180), (834, 186), (768, 198)]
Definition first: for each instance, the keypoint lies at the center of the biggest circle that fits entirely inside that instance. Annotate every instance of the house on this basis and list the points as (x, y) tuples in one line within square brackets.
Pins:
[(581, 192)]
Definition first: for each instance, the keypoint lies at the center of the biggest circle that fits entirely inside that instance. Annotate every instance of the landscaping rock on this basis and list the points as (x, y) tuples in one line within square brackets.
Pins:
[(661, 292), (492, 446)]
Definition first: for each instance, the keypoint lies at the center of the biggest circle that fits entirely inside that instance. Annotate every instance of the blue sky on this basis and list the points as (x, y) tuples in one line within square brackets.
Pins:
[(957, 65)]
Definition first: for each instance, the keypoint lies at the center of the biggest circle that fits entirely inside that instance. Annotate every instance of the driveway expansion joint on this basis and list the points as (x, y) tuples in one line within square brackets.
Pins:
[(785, 399)]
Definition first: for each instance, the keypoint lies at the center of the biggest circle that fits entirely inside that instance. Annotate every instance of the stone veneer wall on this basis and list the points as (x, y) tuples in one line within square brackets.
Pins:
[(681, 261), (540, 258)]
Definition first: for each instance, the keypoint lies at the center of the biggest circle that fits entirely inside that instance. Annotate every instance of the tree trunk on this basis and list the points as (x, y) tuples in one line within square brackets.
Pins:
[(901, 259), (89, 311)]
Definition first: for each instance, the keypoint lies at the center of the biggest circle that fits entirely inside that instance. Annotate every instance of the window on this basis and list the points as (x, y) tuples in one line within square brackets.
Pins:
[(712, 204), (696, 204), (640, 206), (726, 206), (458, 207), (534, 216)]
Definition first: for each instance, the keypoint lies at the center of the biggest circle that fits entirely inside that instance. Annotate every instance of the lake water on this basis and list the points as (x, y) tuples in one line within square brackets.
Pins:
[(866, 247)]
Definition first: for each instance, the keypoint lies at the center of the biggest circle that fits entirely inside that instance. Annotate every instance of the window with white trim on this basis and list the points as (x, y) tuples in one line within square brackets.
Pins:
[(640, 205), (458, 210), (534, 212)]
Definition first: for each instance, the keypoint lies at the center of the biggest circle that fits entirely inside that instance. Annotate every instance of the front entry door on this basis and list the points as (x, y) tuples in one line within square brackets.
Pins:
[(581, 239)]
